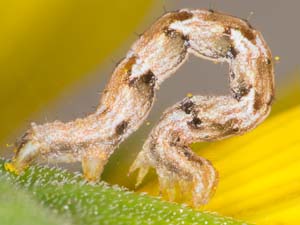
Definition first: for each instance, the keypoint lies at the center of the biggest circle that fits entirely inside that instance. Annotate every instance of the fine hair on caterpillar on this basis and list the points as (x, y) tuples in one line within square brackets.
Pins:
[(130, 94)]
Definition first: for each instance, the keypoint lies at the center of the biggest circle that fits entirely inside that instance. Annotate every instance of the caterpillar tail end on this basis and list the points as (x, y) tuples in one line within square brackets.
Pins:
[(188, 179)]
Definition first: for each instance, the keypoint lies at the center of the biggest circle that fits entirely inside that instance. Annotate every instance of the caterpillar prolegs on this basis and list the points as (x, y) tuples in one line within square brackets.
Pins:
[(130, 93)]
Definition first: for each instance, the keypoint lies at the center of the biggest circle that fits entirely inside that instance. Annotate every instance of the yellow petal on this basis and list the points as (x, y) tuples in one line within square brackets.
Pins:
[(259, 172)]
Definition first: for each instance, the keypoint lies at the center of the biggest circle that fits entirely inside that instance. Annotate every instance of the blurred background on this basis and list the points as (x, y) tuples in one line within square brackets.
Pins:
[(56, 57)]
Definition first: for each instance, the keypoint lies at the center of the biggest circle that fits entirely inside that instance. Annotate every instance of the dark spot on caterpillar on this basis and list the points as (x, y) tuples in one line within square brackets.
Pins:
[(186, 153), (258, 103), (187, 105), (152, 147), (149, 78), (171, 32), (144, 84), (241, 92), (237, 96), (248, 33), (121, 127), (232, 75), (230, 131), (174, 34), (235, 129), (228, 22), (132, 81), (227, 31), (195, 123), (177, 169), (173, 167), (175, 140), (190, 156), (182, 15), (186, 41), (211, 10), (232, 53), (269, 61), (227, 128)]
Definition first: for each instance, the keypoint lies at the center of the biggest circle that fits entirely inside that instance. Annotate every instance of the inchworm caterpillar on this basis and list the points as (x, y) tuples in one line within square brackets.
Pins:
[(129, 96)]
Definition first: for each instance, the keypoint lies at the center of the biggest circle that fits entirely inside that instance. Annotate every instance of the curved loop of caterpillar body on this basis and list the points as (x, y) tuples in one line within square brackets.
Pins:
[(129, 96)]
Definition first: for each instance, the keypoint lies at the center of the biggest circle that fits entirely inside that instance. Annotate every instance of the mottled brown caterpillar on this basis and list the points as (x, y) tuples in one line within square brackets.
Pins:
[(129, 96)]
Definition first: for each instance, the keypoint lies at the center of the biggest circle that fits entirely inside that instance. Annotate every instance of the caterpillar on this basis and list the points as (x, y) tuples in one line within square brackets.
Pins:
[(130, 94)]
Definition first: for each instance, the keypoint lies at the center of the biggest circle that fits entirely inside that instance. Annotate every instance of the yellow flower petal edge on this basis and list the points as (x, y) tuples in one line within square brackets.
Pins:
[(288, 94), (259, 172)]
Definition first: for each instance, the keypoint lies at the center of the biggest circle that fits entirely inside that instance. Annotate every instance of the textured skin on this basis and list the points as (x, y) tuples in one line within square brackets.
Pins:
[(129, 96)]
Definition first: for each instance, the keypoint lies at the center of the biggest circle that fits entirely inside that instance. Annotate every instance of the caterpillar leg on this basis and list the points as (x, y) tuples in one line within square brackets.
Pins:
[(93, 161), (182, 174), (180, 171)]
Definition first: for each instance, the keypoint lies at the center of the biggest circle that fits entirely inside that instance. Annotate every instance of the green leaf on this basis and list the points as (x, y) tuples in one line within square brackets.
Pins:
[(16, 207), (68, 195)]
